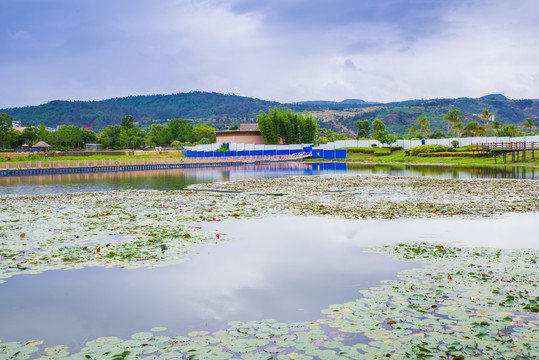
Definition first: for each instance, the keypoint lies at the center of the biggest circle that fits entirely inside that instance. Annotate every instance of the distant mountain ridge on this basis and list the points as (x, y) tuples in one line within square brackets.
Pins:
[(221, 111)]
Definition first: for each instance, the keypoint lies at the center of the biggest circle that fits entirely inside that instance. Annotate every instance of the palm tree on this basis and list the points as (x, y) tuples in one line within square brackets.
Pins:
[(412, 132), (472, 128), (529, 124), (485, 115), (424, 125), (457, 127), (453, 116), (496, 125)]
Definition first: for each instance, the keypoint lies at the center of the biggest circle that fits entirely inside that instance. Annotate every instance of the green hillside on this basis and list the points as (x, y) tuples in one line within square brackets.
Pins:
[(222, 111)]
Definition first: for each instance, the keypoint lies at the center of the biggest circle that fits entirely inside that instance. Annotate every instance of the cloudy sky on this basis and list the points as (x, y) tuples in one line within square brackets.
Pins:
[(282, 50)]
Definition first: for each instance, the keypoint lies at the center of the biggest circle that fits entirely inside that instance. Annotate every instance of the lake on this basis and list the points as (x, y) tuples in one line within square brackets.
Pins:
[(283, 267), (180, 178)]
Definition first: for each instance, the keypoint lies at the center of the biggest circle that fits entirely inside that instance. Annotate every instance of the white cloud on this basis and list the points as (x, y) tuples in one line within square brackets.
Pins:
[(469, 49)]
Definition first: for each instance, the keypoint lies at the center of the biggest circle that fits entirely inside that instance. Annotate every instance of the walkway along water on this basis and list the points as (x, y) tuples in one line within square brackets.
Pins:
[(88, 166)]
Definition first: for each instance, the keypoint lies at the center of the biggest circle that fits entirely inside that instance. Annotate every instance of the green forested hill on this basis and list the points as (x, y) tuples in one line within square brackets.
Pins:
[(221, 111)]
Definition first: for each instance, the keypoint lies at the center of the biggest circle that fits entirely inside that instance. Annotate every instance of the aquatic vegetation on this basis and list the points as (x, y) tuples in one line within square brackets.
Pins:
[(465, 302)]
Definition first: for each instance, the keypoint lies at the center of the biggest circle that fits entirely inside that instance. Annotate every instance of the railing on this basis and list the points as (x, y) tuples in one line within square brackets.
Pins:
[(55, 164), (530, 145)]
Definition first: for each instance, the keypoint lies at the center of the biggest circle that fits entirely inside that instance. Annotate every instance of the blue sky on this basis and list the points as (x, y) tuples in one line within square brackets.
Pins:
[(282, 50)]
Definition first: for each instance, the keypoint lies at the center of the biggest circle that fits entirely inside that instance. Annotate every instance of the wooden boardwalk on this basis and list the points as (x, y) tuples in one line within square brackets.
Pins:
[(89, 166), (503, 148)]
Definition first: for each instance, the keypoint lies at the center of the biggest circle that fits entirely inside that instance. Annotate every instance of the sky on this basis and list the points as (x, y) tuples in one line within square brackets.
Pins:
[(279, 50)]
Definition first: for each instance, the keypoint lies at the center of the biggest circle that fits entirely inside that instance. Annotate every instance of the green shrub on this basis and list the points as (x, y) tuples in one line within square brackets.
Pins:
[(382, 151), (359, 150), (395, 148), (447, 154), (374, 145), (423, 149)]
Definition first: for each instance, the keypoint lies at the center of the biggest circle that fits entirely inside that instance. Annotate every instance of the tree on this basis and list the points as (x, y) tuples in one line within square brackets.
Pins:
[(29, 135), (180, 130), (109, 136), (282, 124), (529, 124), (6, 124), (43, 134), (452, 117), (474, 129), (385, 138), (457, 127), (412, 132), (496, 125), (363, 129), (159, 136), (424, 125), (128, 122), (486, 115), (203, 131), (378, 125)]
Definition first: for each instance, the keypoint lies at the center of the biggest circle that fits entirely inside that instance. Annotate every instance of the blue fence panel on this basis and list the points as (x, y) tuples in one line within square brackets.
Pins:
[(340, 154), (231, 153), (200, 154), (423, 142), (257, 153), (283, 152), (318, 154), (329, 154), (270, 152), (219, 153), (243, 153)]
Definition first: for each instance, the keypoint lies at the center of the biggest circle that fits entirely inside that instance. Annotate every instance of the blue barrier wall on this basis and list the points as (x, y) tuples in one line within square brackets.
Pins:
[(329, 154)]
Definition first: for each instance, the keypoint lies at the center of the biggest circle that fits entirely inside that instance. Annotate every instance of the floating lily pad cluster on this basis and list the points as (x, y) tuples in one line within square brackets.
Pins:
[(467, 302)]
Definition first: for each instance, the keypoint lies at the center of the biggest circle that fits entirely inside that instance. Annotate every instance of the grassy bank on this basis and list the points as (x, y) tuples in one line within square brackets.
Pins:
[(400, 157)]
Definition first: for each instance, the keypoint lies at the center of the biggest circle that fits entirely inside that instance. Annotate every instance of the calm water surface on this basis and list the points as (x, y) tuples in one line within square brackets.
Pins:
[(180, 178), (285, 268)]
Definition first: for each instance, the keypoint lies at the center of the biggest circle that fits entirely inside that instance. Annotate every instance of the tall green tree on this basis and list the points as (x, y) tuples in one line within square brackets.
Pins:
[(128, 122), (6, 124), (29, 135), (180, 130), (378, 125), (486, 115), (363, 129), (496, 126), (281, 124), (158, 135), (457, 127), (424, 125), (452, 117), (529, 124), (43, 134), (203, 131), (109, 136)]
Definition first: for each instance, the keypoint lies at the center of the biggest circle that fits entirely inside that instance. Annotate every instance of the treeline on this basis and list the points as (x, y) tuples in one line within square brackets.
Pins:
[(176, 132), (283, 125), (209, 108)]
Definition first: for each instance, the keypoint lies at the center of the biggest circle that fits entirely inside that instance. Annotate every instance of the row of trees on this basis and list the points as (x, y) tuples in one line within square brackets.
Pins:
[(284, 125), (379, 131), (126, 135), (474, 129), (456, 124)]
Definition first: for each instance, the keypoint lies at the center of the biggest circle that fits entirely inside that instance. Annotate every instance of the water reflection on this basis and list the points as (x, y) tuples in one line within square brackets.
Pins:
[(180, 178), (287, 268)]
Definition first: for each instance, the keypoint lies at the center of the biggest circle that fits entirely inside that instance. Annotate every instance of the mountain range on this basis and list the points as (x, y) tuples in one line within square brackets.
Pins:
[(223, 110)]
